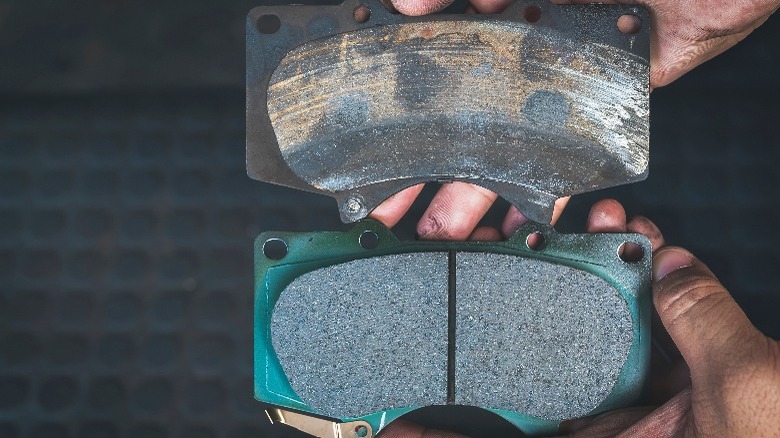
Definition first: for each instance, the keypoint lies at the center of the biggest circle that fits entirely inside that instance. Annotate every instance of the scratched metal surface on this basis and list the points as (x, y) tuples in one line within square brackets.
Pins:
[(483, 101), (530, 110)]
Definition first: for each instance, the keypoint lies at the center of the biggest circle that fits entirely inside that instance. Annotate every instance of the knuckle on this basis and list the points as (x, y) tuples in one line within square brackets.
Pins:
[(681, 294)]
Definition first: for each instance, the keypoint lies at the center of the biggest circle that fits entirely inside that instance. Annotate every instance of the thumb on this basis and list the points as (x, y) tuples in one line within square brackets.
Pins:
[(709, 328)]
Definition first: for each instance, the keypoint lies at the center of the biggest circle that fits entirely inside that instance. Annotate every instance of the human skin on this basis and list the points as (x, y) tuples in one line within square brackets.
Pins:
[(734, 369), (685, 34)]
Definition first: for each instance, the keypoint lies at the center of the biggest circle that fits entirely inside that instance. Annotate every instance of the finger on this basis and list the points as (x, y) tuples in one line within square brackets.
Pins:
[(420, 7), (490, 6), (643, 225), (514, 219), (455, 211), (668, 420), (407, 429), (606, 425), (558, 207), (393, 208), (486, 234), (606, 216), (711, 331)]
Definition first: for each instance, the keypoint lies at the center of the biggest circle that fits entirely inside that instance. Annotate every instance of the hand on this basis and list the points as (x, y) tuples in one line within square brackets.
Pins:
[(685, 34), (454, 212), (734, 369)]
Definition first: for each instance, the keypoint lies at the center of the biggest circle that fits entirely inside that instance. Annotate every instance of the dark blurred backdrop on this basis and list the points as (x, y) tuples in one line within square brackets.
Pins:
[(127, 218)]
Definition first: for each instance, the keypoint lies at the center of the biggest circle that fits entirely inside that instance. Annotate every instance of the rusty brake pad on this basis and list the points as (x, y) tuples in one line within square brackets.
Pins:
[(537, 102)]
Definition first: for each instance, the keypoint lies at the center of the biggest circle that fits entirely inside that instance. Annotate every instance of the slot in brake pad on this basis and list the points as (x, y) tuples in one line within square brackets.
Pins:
[(531, 105), (361, 328)]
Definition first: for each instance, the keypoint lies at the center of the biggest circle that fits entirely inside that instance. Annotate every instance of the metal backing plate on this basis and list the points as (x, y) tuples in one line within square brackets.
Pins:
[(293, 373), (533, 111)]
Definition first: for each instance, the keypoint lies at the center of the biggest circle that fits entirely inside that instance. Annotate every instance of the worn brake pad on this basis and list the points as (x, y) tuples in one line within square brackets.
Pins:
[(537, 102)]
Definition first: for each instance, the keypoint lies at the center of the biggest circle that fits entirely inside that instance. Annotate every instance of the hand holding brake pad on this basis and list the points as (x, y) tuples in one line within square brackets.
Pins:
[(530, 110)]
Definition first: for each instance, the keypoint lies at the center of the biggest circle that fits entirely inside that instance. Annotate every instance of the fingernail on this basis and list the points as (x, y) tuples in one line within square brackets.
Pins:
[(670, 260)]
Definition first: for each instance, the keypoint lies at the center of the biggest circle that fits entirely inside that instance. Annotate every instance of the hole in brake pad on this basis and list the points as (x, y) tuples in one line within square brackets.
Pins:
[(531, 336), (530, 111)]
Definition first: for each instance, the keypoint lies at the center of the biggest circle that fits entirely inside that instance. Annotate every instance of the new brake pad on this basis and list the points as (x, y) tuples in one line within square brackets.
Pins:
[(360, 328)]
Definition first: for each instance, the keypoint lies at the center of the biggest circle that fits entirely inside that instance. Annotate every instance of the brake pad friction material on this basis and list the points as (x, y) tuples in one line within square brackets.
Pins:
[(342, 334), (367, 329), (537, 337), (532, 111)]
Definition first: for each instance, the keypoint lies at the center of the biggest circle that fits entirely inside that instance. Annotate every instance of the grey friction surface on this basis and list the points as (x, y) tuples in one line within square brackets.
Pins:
[(366, 335), (536, 337)]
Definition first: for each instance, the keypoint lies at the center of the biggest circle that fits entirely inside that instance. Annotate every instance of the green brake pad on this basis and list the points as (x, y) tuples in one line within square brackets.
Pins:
[(359, 328)]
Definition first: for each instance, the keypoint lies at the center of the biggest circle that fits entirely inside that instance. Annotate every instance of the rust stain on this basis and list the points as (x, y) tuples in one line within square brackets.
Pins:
[(417, 73)]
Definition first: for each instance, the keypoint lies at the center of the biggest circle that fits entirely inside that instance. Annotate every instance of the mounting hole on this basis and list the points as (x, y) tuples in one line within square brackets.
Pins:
[(369, 239), (629, 24), (535, 241), (361, 431), (275, 249), (361, 13), (268, 24), (532, 13), (630, 252)]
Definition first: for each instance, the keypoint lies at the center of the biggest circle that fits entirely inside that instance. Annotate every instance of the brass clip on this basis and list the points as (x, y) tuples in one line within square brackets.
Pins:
[(319, 427)]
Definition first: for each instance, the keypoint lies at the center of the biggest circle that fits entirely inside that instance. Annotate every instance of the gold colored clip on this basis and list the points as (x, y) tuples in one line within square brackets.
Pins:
[(319, 427)]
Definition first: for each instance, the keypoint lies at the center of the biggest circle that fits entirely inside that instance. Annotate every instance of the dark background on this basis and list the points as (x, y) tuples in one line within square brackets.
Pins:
[(127, 218)]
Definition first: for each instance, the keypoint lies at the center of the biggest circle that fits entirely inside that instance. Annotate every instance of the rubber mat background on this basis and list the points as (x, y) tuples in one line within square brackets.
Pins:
[(127, 218)]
